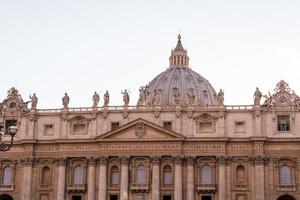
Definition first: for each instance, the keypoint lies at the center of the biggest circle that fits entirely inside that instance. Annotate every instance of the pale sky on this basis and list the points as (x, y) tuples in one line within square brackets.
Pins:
[(54, 46)]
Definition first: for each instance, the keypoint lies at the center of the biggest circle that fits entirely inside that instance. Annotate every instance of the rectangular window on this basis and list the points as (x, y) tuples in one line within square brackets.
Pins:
[(79, 129), (205, 127), (115, 125), (167, 125), (48, 129), (9, 123), (239, 127), (283, 123)]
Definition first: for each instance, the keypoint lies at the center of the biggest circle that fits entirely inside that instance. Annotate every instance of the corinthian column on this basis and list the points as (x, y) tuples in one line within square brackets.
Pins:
[(91, 179), (178, 179), (155, 178), (259, 178), (102, 178), (222, 179), (61, 185), (124, 179), (27, 173), (190, 179)]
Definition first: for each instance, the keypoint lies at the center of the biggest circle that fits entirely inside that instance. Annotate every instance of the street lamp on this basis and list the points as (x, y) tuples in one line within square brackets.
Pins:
[(10, 131)]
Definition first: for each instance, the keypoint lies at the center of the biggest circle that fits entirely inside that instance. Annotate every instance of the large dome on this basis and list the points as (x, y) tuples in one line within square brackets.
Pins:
[(178, 85)]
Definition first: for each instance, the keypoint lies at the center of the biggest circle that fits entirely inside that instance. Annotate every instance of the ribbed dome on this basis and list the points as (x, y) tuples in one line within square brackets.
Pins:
[(182, 81), (178, 85)]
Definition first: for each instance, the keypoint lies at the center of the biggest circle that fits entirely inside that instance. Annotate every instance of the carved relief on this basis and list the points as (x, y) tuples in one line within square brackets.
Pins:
[(140, 130), (282, 97), (14, 103)]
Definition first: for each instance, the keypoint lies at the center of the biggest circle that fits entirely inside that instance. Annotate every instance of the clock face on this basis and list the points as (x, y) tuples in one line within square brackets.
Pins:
[(283, 99)]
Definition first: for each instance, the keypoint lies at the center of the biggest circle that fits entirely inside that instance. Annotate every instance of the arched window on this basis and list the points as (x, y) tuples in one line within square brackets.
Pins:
[(78, 175), (46, 177), (285, 175), (206, 174), (240, 175), (141, 176), (7, 176), (167, 175), (114, 175)]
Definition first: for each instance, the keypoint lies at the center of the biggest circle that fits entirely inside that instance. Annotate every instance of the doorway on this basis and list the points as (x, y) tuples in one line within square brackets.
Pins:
[(206, 198), (76, 197), (6, 197), (286, 197), (167, 197), (113, 197)]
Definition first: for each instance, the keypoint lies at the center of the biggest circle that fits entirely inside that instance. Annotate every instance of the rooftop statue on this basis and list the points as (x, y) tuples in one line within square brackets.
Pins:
[(125, 97), (257, 96), (221, 97), (96, 99), (106, 98), (34, 101), (66, 100), (142, 96)]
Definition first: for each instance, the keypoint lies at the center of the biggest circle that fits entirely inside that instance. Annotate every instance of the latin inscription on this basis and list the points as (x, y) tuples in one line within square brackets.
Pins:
[(143, 147), (204, 147), (240, 147), (138, 147)]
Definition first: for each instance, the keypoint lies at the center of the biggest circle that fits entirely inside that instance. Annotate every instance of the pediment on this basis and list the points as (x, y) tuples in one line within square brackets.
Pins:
[(140, 130)]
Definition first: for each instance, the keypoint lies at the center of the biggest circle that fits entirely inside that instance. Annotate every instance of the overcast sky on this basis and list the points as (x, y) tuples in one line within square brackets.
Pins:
[(52, 46)]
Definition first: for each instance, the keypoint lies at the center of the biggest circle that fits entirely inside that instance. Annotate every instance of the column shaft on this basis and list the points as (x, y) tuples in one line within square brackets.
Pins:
[(27, 182), (124, 179), (178, 180), (61, 185), (190, 179), (91, 180), (259, 181), (102, 178), (222, 181), (155, 179)]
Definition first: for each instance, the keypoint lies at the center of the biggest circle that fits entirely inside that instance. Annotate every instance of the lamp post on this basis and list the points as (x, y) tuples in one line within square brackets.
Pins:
[(10, 131)]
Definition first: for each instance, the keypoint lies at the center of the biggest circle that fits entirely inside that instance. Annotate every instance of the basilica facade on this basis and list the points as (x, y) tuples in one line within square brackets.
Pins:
[(178, 142)]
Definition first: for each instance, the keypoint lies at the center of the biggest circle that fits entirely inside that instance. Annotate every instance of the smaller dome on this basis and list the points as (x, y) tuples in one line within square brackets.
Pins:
[(178, 85)]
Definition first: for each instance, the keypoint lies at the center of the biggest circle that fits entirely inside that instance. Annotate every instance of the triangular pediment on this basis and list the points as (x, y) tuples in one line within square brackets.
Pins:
[(141, 130)]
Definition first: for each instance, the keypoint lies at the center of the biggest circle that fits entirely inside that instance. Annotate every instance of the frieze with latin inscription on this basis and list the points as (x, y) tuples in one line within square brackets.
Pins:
[(138, 147), (240, 147)]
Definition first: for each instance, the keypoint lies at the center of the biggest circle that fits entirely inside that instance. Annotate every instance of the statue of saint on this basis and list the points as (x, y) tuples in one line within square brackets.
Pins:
[(96, 99), (257, 96), (142, 96), (191, 96), (268, 100), (156, 97), (125, 97), (221, 97), (296, 99), (66, 100), (106, 98), (34, 101), (176, 96)]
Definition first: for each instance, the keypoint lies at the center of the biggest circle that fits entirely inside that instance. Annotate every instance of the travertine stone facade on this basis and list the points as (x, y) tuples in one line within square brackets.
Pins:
[(179, 143)]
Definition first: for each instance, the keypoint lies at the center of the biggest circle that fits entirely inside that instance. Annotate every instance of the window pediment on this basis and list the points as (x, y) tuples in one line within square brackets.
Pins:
[(206, 117)]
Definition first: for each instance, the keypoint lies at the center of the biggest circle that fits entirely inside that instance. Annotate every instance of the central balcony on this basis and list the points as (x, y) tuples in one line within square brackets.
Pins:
[(9, 187), (206, 188), (139, 187), (76, 187)]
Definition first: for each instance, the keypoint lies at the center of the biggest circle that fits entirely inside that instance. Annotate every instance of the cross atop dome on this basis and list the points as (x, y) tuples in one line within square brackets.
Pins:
[(179, 57)]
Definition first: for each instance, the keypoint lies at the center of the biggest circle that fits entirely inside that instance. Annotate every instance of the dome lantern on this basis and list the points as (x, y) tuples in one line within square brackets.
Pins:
[(178, 85), (179, 57)]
